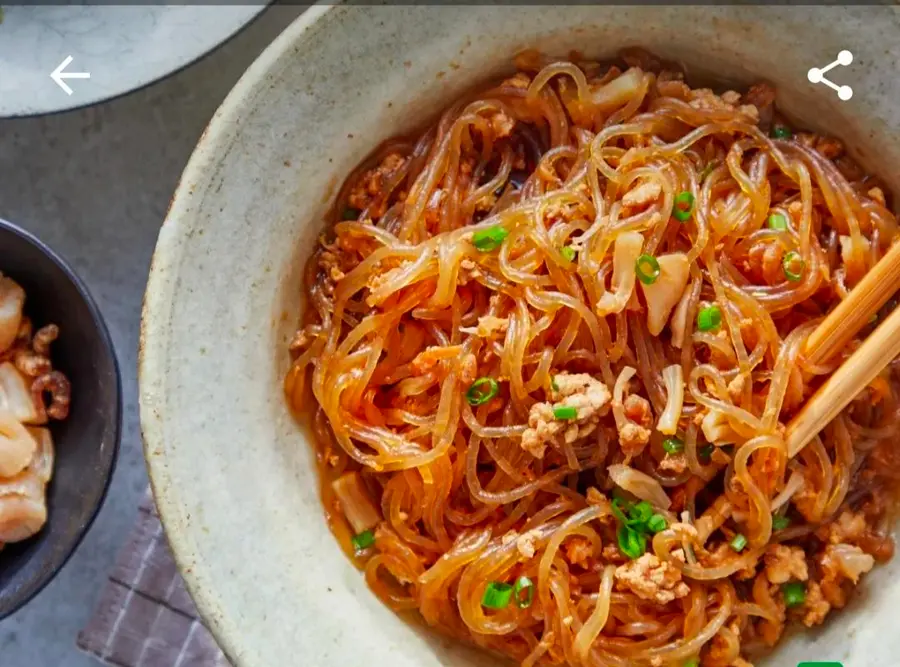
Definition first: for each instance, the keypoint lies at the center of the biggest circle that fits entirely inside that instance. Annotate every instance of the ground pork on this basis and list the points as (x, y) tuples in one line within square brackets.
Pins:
[(487, 326), (651, 579), (673, 463), (379, 279), (848, 528), (468, 271), (877, 195), (580, 391), (368, 193), (763, 265), (635, 433), (520, 80), (785, 563), (579, 551), (502, 124), (815, 607), (431, 356)]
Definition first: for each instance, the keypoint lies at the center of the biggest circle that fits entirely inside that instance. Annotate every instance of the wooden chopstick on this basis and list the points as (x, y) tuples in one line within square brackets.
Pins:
[(854, 312), (879, 349)]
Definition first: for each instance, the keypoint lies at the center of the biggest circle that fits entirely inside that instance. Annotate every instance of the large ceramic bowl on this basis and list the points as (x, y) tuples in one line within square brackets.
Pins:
[(232, 471)]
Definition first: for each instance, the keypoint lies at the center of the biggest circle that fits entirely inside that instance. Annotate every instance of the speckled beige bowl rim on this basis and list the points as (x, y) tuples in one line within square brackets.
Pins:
[(166, 251)]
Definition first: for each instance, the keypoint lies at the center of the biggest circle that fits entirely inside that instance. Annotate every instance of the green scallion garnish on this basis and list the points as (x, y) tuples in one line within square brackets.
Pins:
[(691, 662), (631, 543), (641, 512), (482, 390), (782, 132), (553, 384), (705, 451), (526, 586), (793, 266), (780, 522), (673, 445), (738, 542), (647, 269), (363, 541), (794, 593), (489, 239), (684, 206), (497, 595), (619, 507), (568, 253), (709, 319), (350, 214), (565, 412), (777, 221), (657, 523)]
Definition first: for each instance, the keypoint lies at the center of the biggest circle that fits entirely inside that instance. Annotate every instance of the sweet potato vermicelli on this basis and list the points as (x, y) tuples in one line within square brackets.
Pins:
[(553, 343)]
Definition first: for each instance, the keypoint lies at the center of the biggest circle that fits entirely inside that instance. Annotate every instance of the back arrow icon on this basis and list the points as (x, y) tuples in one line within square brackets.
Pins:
[(59, 75)]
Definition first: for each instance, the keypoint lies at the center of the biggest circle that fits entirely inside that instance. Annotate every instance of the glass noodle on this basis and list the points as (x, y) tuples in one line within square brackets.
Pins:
[(550, 348)]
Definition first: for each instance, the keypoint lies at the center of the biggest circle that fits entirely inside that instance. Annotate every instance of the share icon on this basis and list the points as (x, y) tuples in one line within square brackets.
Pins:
[(817, 75)]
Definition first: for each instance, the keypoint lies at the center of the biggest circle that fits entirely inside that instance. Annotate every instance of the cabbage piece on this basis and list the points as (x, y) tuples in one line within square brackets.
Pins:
[(666, 290), (627, 250), (639, 484)]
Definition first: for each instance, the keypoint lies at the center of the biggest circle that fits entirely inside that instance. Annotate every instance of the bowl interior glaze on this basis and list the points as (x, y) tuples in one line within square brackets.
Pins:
[(231, 469)]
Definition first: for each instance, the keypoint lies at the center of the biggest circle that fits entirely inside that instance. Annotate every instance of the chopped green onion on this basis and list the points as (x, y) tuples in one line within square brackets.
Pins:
[(873, 318), (780, 522), (647, 269), (482, 390), (568, 253), (617, 510), (631, 543), (793, 266), (565, 412), (363, 541), (553, 384), (527, 585), (497, 595), (489, 239), (691, 662), (640, 514), (739, 542), (777, 221), (706, 451), (782, 132), (684, 206), (657, 523), (673, 445), (794, 593), (350, 214), (709, 319)]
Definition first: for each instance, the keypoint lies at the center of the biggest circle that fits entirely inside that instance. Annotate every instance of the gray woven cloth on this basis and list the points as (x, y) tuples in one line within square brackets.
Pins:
[(145, 617)]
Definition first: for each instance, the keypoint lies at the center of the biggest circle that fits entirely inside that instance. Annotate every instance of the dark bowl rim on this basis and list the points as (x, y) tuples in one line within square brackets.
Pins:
[(103, 332)]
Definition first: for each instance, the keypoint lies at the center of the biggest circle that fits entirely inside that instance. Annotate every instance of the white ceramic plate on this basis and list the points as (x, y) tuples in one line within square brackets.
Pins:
[(122, 48), (233, 474)]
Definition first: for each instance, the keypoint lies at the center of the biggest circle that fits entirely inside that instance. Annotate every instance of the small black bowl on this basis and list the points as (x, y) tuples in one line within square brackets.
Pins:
[(87, 441)]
